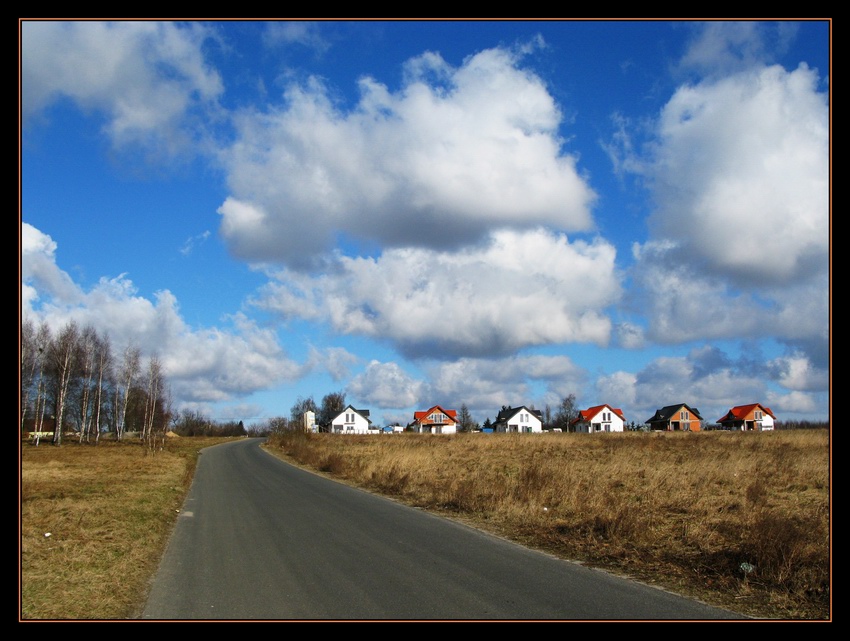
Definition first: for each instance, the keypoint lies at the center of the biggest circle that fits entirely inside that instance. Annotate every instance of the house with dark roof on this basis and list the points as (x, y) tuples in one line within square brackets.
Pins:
[(352, 421), (435, 421), (754, 416), (518, 419), (599, 418), (673, 418)]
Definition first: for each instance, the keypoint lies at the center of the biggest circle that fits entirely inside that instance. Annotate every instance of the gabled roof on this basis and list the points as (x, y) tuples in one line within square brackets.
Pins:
[(738, 412), (418, 417), (509, 412), (667, 412), (590, 412), (351, 408)]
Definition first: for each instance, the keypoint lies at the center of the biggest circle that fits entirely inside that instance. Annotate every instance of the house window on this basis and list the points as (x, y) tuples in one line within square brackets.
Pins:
[(758, 415)]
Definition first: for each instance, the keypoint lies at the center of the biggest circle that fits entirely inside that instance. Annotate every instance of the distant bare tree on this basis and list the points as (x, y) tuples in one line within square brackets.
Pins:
[(126, 377), (302, 405), (332, 405), (64, 354), (566, 413)]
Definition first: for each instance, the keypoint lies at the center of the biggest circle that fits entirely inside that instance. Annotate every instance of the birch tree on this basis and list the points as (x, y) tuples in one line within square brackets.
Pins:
[(63, 357), (127, 375)]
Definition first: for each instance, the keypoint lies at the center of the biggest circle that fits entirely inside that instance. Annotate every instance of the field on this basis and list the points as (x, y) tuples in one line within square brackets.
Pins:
[(95, 522), (738, 519)]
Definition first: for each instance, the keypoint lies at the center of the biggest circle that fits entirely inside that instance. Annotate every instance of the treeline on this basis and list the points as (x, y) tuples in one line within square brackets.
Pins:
[(73, 384), (194, 423)]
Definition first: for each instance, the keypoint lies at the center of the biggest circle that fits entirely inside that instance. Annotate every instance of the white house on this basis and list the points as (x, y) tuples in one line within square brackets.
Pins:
[(601, 418), (519, 419), (352, 421)]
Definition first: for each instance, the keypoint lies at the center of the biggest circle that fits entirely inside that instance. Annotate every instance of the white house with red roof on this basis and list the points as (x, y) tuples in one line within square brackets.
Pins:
[(754, 416), (435, 421), (600, 418)]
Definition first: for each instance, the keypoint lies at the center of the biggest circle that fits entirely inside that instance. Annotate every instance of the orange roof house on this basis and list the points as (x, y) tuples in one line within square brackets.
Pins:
[(435, 421), (754, 416), (600, 418)]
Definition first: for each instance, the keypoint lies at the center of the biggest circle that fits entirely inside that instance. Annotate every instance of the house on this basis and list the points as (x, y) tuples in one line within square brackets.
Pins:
[(352, 421), (518, 419), (600, 418), (748, 417), (435, 421), (673, 418)]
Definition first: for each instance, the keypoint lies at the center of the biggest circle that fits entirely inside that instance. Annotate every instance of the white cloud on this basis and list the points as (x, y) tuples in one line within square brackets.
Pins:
[(438, 163), (741, 175), (797, 373), (484, 385), (794, 403), (385, 385), (201, 364), (285, 33), (521, 289), (683, 304), (145, 77)]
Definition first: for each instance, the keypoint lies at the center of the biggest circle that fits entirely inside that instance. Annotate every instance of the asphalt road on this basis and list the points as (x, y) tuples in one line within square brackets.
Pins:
[(261, 539)]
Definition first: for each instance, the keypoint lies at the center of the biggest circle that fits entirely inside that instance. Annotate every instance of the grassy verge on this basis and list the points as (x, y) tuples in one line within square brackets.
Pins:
[(94, 524), (739, 519)]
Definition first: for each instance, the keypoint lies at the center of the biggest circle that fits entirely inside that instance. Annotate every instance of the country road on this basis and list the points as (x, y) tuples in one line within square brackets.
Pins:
[(261, 539)]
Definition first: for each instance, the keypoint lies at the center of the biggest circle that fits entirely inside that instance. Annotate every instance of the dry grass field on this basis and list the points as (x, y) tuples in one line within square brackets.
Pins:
[(738, 519), (94, 524)]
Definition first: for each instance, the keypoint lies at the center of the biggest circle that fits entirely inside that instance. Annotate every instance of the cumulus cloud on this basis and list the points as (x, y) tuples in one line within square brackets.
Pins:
[(796, 372), (685, 304), (201, 364), (437, 163), (518, 290), (146, 78), (386, 385), (484, 385), (740, 175)]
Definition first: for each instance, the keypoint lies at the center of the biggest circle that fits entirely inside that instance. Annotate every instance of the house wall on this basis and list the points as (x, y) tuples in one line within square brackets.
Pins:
[(514, 424), (359, 426), (691, 423), (766, 419), (614, 424)]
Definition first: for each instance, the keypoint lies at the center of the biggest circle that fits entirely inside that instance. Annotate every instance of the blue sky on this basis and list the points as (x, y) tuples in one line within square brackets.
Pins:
[(419, 213)]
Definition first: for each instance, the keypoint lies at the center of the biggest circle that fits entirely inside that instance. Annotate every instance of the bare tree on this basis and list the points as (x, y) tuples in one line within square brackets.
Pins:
[(127, 376), (104, 376), (567, 411), (153, 426), (332, 405), (296, 413), (63, 356)]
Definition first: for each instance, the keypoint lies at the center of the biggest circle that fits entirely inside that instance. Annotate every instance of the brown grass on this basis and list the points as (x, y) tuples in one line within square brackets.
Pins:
[(94, 523), (737, 519)]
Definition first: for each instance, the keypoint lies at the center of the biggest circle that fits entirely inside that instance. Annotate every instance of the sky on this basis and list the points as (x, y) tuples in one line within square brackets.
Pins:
[(421, 213)]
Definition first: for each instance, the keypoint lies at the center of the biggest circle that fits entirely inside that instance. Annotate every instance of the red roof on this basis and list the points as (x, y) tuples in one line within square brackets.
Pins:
[(738, 412), (590, 412), (420, 416)]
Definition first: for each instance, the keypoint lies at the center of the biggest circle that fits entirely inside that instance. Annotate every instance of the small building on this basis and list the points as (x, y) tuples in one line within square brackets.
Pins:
[(674, 418), (755, 417), (519, 419), (352, 421), (435, 421), (600, 418)]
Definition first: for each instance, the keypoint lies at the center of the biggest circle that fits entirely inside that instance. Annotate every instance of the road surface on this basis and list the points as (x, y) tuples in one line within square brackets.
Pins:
[(258, 538)]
